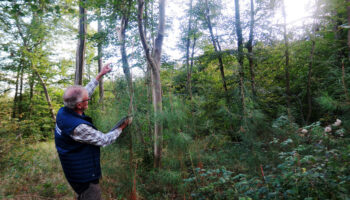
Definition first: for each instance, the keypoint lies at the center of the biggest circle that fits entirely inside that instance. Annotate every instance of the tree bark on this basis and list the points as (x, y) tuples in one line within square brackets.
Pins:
[(148, 72), (20, 102), (348, 13), (221, 65), (154, 61), (311, 61), (121, 34), (188, 43), (99, 52), (189, 75), (80, 58), (31, 88), (31, 94), (240, 56), (343, 81), (15, 99), (250, 47), (286, 54), (46, 95), (343, 66), (149, 98), (20, 70), (309, 98)]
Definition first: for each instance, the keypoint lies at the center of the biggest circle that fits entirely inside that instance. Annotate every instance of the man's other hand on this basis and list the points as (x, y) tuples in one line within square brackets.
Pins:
[(126, 123)]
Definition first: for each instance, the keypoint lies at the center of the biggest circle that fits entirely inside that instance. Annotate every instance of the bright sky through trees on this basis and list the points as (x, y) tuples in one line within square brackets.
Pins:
[(297, 12)]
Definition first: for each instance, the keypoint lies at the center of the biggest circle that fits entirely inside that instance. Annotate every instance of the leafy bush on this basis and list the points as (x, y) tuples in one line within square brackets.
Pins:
[(316, 165)]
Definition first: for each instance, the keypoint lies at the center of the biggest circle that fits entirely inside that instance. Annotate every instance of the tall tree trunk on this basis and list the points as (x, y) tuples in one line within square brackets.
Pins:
[(15, 99), (31, 88), (153, 58), (20, 102), (309, 98), (189, 75), (121, 34), (286, 54), (31, 94), (157, 87), (188, 43), (80, 58), (148, 73), (348, 13), (214, 41), (46, 95), (240, 57), (149, 99), (149, 81), (343, 81), (157, 106), (250, 47), (99, 52), (311, 61), (343, 66), (20, 70)]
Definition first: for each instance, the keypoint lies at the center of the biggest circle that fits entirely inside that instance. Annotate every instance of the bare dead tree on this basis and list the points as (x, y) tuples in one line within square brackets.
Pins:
[(153, 58)]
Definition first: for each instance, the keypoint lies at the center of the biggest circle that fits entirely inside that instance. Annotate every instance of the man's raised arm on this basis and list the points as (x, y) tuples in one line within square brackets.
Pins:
[(90, 87)]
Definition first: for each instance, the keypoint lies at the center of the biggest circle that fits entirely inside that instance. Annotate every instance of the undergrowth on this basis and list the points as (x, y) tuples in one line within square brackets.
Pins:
[(205, 155), (33, 171), (303, 165)]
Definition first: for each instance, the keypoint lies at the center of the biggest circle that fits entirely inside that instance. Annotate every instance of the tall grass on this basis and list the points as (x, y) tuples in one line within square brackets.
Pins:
[(33, 172)]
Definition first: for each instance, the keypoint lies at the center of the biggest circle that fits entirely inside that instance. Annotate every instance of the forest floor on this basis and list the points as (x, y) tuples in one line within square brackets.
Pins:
[(33, 171)]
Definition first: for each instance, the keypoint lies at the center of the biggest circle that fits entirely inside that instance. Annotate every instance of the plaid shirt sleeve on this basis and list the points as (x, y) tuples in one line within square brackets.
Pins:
[(86, 134), (90, 87)]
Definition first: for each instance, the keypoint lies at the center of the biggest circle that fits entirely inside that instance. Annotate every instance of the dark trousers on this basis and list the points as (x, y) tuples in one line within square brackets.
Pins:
[(92, 193), (87, 191)]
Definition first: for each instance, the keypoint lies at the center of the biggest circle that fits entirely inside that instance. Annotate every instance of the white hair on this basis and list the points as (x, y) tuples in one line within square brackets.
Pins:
[(73, 95)]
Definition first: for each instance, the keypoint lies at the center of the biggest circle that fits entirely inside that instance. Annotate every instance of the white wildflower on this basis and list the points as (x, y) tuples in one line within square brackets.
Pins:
[(328, 129), (304, 131), (340, 132), (337, 122)]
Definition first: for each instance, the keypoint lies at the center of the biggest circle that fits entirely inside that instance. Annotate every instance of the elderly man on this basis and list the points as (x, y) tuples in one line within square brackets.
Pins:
[(78, 141)]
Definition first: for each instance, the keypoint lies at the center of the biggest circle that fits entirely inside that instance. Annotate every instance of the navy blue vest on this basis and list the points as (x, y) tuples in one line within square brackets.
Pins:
[(80, 161)]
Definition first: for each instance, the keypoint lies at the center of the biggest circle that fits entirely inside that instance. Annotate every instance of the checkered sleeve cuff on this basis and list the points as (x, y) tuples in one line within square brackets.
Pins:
[(86, 134)]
